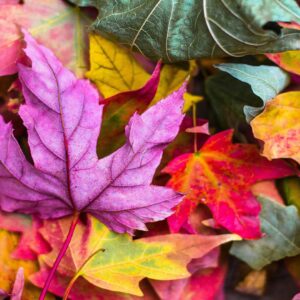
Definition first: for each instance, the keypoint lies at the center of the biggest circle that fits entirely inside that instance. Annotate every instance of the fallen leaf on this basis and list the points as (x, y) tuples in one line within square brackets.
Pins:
[(31, 243), (175, 31), (227, 97), (9, 268), (220, 175), (195, 287), (62, 117), (56, 24), (119, 108), (116, 262), (266, 82), (115, 70), (278, 126), (18, 287), (79, 290), (254, 283), (288, 60), (281, 227)]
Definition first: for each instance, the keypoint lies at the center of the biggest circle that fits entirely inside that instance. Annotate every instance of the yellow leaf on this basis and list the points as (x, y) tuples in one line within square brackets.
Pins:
[(113, 68), (116, 262), (288, 60), (189, 100), (171, 79), (278, 126)]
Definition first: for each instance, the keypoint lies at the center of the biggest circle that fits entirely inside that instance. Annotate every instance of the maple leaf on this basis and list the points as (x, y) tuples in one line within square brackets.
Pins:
[(62, 118), (56, 24), (220, 175), (116, 262), (278, 126)]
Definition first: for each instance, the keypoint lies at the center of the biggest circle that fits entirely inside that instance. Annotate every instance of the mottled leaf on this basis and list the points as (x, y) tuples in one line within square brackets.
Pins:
[(281, 227), (266, 82), (116, 262), (278, 126), (220, 175)]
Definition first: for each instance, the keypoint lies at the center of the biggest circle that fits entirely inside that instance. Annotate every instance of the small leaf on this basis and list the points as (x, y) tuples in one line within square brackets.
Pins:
[(116, 262), (184, 30), (220, 176), (266, 82), (278, 126), (281, 228)]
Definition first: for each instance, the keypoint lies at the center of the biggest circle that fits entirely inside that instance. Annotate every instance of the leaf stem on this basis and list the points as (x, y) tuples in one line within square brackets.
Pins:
[(194, 125), (60, 255), (69, 287)]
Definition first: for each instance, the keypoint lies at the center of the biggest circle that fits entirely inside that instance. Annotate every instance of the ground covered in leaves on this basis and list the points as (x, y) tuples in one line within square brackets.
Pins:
[(150, 150)]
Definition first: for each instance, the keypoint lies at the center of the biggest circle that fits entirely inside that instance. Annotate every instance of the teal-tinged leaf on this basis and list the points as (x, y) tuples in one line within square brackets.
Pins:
[(280, 10), (181, 30), (281, 226), (266, 82), (227, 97)]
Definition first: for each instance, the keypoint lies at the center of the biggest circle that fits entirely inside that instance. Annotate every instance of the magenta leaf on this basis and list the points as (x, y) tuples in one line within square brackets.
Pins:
[(62, 116)]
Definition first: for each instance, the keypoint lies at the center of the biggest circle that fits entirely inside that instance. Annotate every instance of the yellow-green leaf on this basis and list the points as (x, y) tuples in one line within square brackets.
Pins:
[(116, 262)]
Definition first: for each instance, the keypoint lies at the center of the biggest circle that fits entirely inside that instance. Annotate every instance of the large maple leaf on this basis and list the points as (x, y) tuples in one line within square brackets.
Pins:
[(62, 116), (220, 175)]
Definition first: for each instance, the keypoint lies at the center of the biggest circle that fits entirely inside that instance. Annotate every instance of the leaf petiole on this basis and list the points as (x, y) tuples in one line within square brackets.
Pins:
[(60, 255)]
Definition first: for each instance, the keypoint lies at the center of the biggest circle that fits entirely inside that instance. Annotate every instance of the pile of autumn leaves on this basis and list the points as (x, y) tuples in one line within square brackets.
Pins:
[(212, 195)]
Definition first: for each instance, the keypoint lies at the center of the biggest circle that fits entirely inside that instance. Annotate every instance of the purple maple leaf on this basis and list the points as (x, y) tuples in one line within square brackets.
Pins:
[(62, 115)]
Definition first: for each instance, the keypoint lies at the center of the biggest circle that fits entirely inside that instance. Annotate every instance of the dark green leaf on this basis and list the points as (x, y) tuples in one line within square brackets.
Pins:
[(266, 82), (187, 29)]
